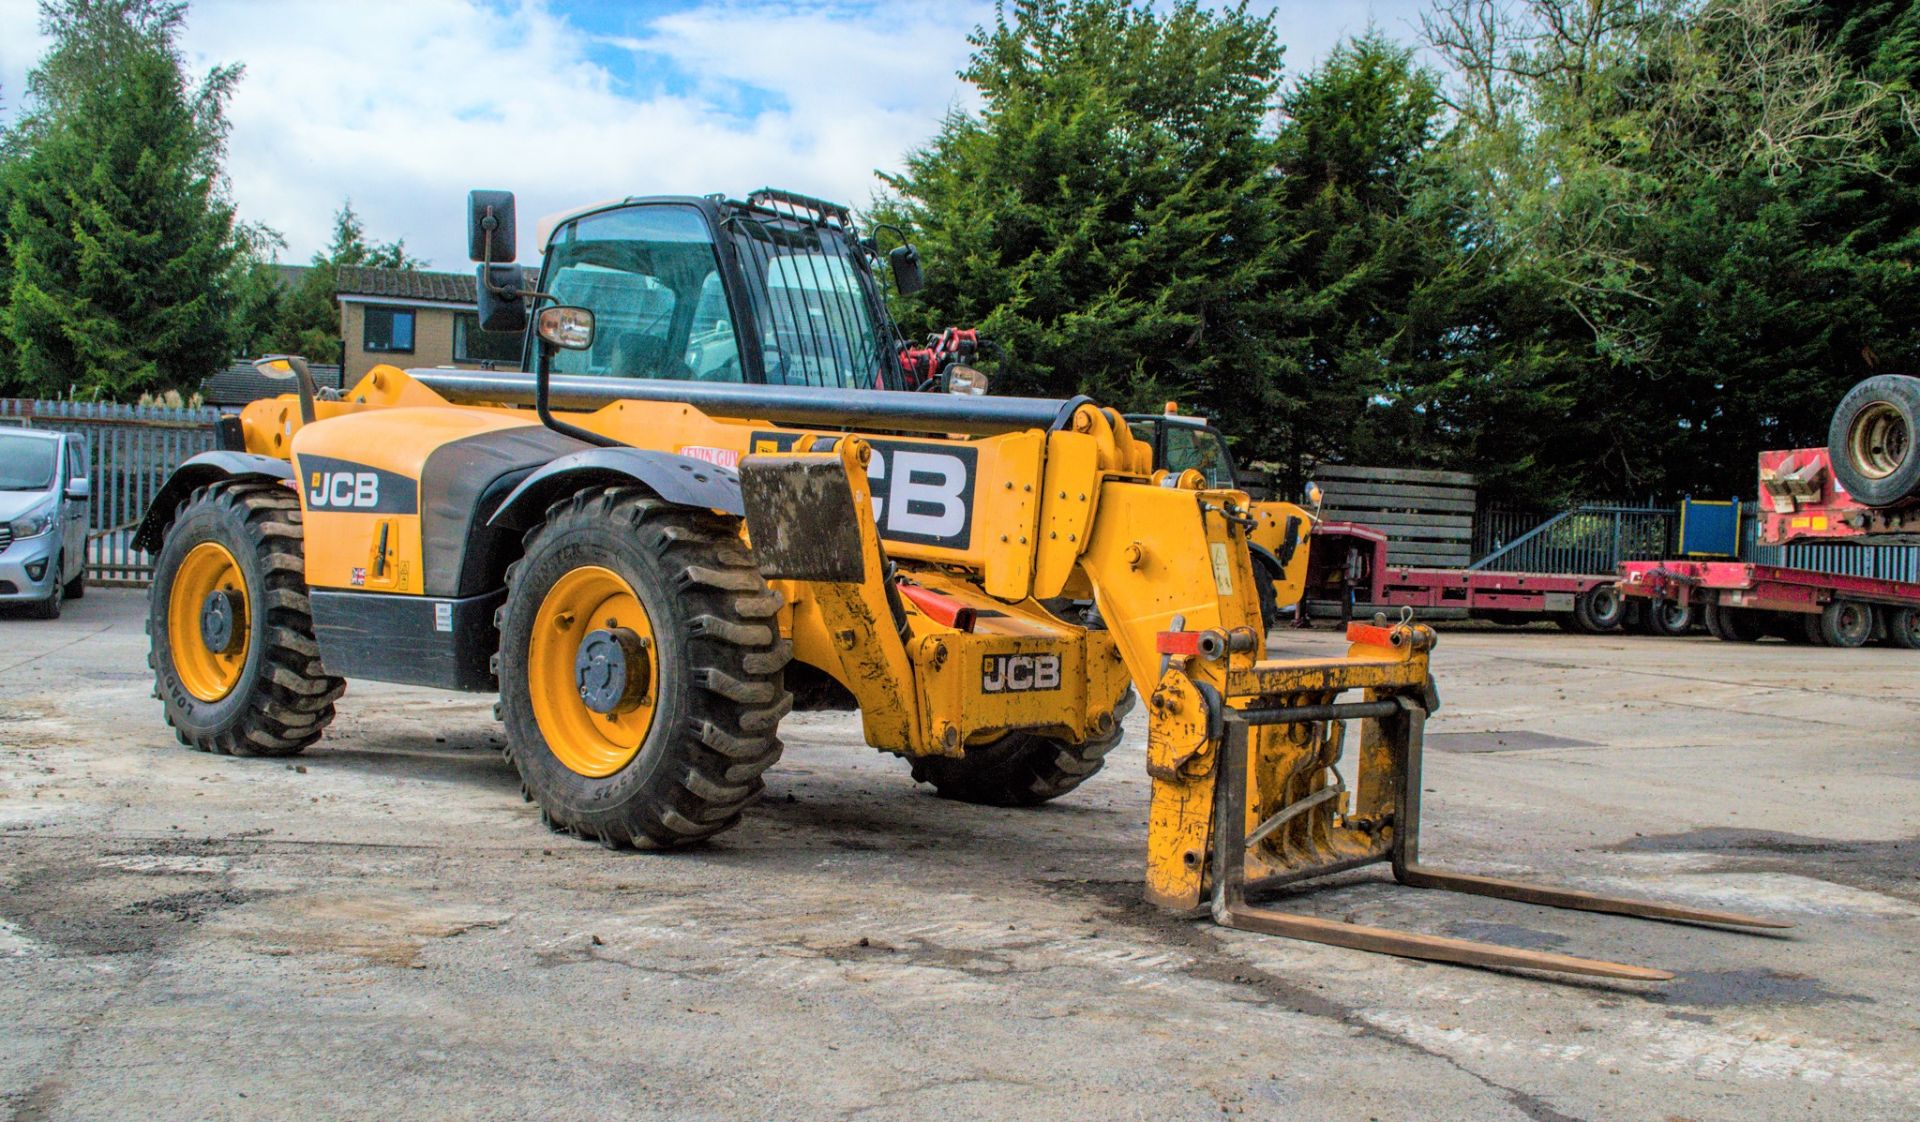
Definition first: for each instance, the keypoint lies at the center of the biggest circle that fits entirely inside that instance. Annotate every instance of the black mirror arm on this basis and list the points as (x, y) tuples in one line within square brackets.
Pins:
[(542, 377)]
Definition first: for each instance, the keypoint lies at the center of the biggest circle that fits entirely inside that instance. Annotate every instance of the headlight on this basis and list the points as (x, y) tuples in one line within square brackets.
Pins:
[(35, 522), (966, 380)]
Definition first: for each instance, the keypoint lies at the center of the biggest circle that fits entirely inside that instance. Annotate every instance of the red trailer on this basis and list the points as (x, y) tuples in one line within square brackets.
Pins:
[(1348, 565), (1744, 602)]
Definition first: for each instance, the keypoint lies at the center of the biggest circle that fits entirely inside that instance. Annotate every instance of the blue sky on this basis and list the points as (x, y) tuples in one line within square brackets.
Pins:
[(405, 104)]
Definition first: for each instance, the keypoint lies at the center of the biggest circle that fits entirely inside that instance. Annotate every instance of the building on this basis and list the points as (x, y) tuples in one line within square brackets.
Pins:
[(415, 318)]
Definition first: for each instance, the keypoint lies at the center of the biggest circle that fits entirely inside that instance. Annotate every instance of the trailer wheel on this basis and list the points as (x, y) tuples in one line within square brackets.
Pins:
[(1846, 623), (1734, 625), (1903, 627), (641, 670), (1020, 769), (1668, 618), (1600, 609), (1871, 441)]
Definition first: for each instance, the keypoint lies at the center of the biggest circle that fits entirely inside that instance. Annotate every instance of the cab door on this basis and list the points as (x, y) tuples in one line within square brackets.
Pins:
[(74, 508)]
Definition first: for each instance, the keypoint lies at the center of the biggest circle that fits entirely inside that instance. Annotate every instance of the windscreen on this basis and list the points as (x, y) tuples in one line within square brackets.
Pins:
[(1202, 449), (27, 463), (650, 277), (814, 305)]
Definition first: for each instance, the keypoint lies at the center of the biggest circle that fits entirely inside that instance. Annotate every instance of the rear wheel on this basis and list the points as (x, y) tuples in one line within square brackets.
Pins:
[(1903, 627), (1734, 625), (1021, 769), (641, 670), (1845, 623), (1600, 609), (1668, 618), (230, 632)]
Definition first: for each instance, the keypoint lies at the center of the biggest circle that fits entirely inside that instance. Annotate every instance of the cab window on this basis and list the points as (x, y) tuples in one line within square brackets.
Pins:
[(1199, 448), (650, 277)]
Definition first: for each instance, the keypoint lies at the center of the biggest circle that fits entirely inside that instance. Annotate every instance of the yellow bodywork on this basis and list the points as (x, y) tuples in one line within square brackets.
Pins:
[(1075, 512)]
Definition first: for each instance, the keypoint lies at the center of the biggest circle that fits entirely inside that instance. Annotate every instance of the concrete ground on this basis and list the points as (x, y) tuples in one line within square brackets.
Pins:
[(383, 929)]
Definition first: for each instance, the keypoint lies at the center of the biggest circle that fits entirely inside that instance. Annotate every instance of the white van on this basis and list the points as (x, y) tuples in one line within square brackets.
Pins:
[(43, 519)]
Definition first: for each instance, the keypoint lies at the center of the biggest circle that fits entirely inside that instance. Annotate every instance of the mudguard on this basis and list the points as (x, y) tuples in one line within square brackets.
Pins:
[(198, 471), (677, 479)]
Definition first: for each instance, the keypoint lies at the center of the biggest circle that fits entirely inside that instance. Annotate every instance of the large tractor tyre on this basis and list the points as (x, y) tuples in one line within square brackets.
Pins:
[(1021, 769), (642, 672), (1844, 623), (230, 631), (1903, 627), (1265, 582), (1734, 625), (1600, 609), (1667, 618), (1871, 440)]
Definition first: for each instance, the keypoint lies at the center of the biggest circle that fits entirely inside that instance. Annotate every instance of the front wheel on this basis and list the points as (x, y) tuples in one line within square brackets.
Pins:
[(49, 608), (642, 672), (229, 628), (1020, 768)]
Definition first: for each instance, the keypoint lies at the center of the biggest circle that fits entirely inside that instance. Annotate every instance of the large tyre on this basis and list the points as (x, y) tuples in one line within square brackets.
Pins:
[(1600, 609), (1667, 618), (642, 672), (1734, 625), (1903, 627), (1845, 623), (1264, 579), (1021, 769), (1871, 441), (230, 631)]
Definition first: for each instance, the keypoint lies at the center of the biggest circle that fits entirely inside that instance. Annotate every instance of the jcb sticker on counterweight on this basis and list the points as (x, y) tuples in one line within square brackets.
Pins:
[(1019, 673), (330, 484), (922, 493)]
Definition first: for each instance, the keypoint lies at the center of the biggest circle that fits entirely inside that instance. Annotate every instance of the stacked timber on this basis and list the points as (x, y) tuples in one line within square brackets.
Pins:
[(1427, 515)]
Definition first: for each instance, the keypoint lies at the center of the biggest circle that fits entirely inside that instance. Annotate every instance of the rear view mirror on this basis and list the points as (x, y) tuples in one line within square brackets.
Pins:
[(497, 297), (904, 262), (566, 327), (79, 489), (490, 227)]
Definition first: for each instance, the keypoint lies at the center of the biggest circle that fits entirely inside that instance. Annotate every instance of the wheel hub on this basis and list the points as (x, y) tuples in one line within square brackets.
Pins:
[(612, 670), (221, 621)]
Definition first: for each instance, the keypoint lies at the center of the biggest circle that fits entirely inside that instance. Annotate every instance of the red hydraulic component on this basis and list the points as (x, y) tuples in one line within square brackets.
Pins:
[(939, 607)]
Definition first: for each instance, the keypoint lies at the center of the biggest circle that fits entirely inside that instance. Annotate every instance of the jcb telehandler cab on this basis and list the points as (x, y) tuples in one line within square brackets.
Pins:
[(711, 500)]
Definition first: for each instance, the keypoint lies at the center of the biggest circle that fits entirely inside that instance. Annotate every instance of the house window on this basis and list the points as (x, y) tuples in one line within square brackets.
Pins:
[(470, 344), (388, 331)]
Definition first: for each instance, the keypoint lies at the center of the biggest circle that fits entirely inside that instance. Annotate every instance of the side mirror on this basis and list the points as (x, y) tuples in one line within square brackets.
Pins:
[(566, 327), (497, 297), (79, 489), (1313, 496), (903, 261), (490, 227)]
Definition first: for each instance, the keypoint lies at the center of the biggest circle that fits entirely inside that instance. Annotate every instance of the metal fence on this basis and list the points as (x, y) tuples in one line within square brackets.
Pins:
[(1587, 539), (130, 449), (1884, 562)]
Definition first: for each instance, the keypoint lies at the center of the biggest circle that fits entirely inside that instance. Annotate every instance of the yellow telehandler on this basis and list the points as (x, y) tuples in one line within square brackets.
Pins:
[(714, 498)]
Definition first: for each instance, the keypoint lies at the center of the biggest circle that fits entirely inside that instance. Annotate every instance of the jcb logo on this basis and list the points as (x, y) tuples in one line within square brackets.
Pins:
[(342, 489), (342, 485), (1019, 673), (922, 493)]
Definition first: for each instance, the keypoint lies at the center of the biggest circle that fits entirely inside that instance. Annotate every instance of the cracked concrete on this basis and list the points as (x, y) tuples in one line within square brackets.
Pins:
[(390, 933)]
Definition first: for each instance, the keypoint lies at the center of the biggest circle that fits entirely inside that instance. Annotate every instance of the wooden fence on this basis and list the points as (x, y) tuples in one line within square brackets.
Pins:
[(130, 449), (1427, 515)]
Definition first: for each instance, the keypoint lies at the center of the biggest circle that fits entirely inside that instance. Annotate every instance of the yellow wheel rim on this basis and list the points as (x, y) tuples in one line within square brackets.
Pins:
[(207, 674), (589, 743)]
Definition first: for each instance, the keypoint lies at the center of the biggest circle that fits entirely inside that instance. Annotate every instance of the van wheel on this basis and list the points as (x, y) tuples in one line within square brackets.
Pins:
[(642, 672), (50, 607), (230, 630)]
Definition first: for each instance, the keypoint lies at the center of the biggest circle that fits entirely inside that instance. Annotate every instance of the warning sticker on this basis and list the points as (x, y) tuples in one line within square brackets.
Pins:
[(1222, 570)]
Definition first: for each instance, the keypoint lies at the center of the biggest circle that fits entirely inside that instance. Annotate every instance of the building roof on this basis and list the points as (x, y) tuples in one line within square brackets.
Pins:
[(241, 383), (406, 284)]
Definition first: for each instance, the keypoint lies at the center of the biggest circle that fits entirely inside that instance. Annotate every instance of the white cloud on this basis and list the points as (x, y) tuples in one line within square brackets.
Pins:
[(405, 104)]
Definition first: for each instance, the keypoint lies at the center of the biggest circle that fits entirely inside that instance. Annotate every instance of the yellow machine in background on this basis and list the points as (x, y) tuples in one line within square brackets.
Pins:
[(699, 512)]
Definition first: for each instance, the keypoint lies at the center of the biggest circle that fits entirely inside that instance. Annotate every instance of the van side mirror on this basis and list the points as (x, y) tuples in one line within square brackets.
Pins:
[(79, 489), (497, 297), (490, 227), (904, 262)]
